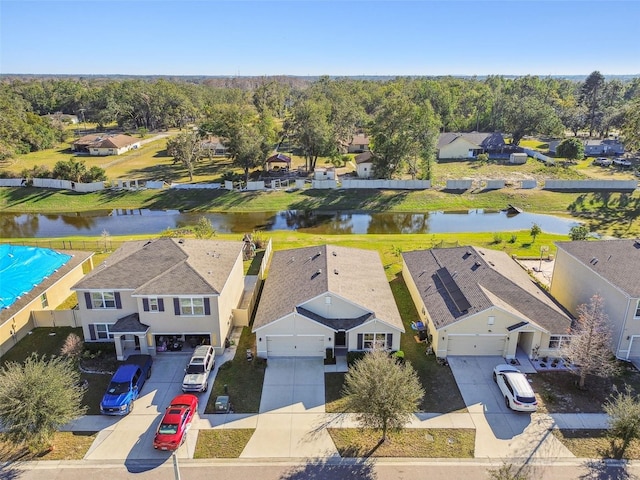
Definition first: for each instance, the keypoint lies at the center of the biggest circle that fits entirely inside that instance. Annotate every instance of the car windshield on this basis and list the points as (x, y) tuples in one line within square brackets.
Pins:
[(168, 429), (118, 388), (522, 399), (195, 369)]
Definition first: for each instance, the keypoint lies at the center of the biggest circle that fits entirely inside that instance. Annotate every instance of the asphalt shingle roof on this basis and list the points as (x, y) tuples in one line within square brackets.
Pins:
[(487, 278), (617, 261), (166, 266), (299, 275)]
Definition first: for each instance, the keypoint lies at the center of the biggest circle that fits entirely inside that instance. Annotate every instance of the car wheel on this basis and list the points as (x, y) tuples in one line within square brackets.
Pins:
[(506, 402), (495, 377), (206, 387)]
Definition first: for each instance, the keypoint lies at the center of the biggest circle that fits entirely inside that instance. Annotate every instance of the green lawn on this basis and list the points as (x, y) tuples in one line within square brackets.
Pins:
[(66, 446), (595, 444), (222, 443)]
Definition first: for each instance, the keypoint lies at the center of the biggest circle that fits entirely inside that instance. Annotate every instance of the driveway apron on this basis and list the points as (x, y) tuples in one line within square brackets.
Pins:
[(500, 432), (291, 421)]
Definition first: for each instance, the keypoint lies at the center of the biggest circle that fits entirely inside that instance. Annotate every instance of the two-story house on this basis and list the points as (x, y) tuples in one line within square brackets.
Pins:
[(151, 290)]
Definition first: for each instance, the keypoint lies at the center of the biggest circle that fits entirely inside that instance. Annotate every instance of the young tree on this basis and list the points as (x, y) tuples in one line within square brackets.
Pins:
[(579, 232), (623, 409), (535, 231), (383, 391), (37, 397), (590, 344), (571, 149), (185, 148), (204, 228)]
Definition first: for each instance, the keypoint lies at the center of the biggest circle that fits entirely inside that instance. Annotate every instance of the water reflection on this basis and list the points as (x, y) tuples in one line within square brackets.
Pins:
[(142, 221)]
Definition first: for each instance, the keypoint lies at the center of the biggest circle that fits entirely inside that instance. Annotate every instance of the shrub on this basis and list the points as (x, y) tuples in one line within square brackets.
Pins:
[(353, 357), (497, 239)]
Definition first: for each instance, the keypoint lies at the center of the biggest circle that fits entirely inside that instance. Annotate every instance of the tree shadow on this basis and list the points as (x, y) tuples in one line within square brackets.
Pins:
[(330, 469), (606, 470)]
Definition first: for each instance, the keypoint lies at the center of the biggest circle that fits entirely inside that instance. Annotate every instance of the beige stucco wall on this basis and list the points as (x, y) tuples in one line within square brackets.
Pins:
[(338, 308), (229, 299), (573, 284), (374, 326), (459, 148), (292, 324), (364, 170)]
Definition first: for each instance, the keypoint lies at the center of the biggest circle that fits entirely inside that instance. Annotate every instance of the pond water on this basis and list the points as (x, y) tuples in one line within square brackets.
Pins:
[(141, 221)]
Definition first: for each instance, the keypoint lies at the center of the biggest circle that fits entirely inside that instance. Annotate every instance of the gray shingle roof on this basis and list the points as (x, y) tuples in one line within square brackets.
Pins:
[(617, 261), (485, 140), (487, 278), (166, 266), (299, 275)]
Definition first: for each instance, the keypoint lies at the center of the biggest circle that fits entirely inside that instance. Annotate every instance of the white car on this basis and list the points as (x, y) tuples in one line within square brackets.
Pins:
[(196, 378), (621, 162), (516, 390)]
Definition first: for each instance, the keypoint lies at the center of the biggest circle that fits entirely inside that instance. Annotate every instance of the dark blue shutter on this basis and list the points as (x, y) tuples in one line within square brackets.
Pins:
[(118, 301), (207, 307), (87, 299), (161, 304), (359, 341), (176, 306), (92, 331), (145, 304), (389, 340)]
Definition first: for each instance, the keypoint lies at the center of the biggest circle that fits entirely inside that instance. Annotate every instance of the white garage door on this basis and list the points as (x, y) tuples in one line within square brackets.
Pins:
[(295, 346), (476, 345)]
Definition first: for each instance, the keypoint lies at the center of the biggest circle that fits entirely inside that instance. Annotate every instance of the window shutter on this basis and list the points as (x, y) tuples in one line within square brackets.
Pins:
[(145, 304), (87, 299), (92, 331), (359, 341), (118, 301), (207, 307), (161, 304), (176, 306), (389, 340)]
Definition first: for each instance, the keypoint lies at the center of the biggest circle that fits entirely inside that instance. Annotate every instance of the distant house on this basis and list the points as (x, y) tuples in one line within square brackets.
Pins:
[(359, 143), (476, 301), (326, 297), (214, 146), (453, 145), (63, 117), (364, 165), (608, 146), (611, 269), (102, 145)]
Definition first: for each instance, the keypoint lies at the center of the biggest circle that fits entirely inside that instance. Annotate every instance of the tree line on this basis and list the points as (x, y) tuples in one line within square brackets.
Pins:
[(402, 116)]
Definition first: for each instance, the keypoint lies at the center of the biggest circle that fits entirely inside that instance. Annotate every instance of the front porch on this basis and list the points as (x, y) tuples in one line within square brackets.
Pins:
[(130, 336)]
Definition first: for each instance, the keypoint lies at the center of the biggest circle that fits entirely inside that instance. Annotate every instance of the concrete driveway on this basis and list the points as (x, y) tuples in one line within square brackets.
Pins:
[(500, 432)]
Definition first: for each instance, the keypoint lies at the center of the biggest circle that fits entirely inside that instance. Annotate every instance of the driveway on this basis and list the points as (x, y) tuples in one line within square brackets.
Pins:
[(500, 432)]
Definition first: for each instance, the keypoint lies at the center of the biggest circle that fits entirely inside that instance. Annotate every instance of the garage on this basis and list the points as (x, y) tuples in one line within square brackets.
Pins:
[(472, 344), (295, 346)]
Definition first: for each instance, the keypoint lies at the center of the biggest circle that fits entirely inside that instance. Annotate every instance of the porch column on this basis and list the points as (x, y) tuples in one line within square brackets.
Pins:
[(144, 346), (117, 339)]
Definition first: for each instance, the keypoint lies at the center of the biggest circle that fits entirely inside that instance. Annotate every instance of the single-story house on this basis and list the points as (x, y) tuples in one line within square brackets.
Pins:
[(214, 146), (455, 145), (34, 279), (359, 143), (326, 297), (364, 165), (102, 145), (148, 291), (476, 301), (611, 269), (609, 146)]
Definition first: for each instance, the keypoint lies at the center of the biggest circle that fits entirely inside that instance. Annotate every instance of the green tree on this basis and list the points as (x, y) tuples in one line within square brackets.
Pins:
[(571, 149), (631, 126), (383, 391), (591, 94), (623, 410), (529, 115), (204, 228), (186, 148), (37, 397), (310, 129), (71, 170), (535, 231), (579, 232), (590, 344)]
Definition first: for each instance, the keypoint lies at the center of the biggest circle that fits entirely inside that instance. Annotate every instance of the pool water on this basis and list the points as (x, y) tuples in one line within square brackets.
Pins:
[(24, 268)]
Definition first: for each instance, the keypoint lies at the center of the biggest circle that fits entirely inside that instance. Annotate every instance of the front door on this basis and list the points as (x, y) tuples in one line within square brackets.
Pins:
[(341, 339)]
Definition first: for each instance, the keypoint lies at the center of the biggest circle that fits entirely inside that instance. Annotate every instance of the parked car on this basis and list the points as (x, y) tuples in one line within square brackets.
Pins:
[(196, 378), (176, 422), (603, 161), (517, 392), (125, 385), (621, 162)]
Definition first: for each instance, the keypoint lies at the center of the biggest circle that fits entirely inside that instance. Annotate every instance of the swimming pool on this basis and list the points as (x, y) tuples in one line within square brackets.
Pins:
[(24, 268)]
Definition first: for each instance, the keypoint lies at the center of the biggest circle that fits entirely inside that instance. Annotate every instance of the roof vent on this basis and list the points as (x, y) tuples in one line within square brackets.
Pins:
[(318, 272), (181, 241), (334, 253), (316, 255), (335, 271), (593, 261), (477, 264)]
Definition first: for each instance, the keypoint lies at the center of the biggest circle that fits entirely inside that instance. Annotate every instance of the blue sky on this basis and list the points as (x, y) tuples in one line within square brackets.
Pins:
[(330, 37)]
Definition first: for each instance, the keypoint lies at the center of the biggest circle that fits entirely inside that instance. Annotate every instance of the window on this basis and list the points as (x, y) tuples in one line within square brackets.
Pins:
[(103, 300), (102, 331), (43, 300), (153, 305), (491, 320), (372, 340), (192, 306), (638, 310), (559, 341)]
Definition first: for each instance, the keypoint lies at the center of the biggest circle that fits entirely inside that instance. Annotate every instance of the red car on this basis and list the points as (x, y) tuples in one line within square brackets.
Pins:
[(175, 422)]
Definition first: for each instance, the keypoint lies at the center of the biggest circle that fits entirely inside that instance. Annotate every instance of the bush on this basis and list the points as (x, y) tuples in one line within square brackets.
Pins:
[(513, 238), (329, 359), (353, 357), (99, 348), (497, 239)]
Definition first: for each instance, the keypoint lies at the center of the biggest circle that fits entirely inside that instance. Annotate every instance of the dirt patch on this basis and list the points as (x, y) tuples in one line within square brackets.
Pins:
[(557, 392)]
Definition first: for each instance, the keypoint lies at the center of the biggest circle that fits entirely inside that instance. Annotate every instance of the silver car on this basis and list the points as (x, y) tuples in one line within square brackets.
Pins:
[(516, 390), (196, 378)]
